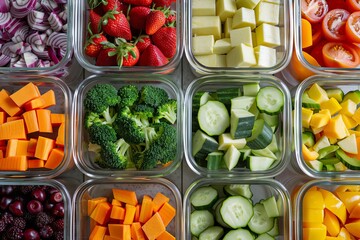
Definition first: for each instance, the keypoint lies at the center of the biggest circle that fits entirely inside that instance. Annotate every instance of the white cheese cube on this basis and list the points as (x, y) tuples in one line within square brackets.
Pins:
[(244, 17), (206, 25), (268, 35), (267, 13), (212, 60), (227, 27), (225, 9), (222, 46), (241, 36), (203, 7), (203, 45), (241, 56), (265, 56), (247, 3)]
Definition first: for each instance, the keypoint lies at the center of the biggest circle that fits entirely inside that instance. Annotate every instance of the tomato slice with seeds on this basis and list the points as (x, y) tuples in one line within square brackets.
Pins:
[(314, 10), (353, 5), (333, 25), (352, 29), (340, 55)]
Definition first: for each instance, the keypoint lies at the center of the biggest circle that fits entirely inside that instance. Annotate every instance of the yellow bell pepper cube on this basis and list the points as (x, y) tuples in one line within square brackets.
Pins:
[(332, 223), (319, 120), (354, 228), (334, 205), (344, 234), (318, 233), (312, 217), (317, 93), (349, 122), (350, 199), (306, 115), (309, 155), (336, 128), (332, 104), (313, 199), (348, 107)]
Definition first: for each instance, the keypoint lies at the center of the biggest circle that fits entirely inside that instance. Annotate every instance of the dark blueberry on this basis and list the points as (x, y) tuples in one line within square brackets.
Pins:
[(46, 232), (42, 219), (56, 197), (7, 218), (34, 206), (58, 224), (16, 208), (20, 222), (14, 233), (31, 234), (4, 202), (38, 194), (58, 210)]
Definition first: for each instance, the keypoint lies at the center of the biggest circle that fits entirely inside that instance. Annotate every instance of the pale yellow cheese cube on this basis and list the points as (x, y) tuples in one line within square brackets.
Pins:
[(241, 36), (203, 7), (225, 9), (227, 27), (244, 17), (268, 35), (206, 25), (212, 60), (241, 56), (222, 46), (203, 45), (267, 13), (247, 3), (265, 56)]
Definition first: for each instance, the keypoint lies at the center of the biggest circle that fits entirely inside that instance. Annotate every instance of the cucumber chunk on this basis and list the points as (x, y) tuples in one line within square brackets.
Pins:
[(214, 160), (265, 152), (275, 231), (212, 233), (213, 118), (242, 123), (258, 163), (238, 190), (270, 100), (202, 145), (264, 236), (336, 93), (242, 102), (236, 211), (261, 136), (231, 157), (251, 89), (351, 163), (225, 141), (271, 207), (204, 198), (200, 220), (308, 102), (308, 139), (239, 234), (260, 221)]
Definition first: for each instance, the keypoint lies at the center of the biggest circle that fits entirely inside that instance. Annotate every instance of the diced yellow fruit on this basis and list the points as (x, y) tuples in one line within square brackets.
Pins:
[(309, 155), (206, 25), (267, 13), (349, 144), (348, 107), (212, 60), (306, 115), (268, 35), (253, 36), (334, 205), (349, 122), (356, 132), (265, 56), (325, 111), (321, 143), (311, 216), (344, 234), (350, 199), (340, 167), (319, 120), (317, 93), (317, 130), (203, 7), (247, 3), (318, 233), (203, 45), (225, 9), (354, 228), (331, 238), (332, 140), (356, 116), (227, 27), (222, 46), (241, 56), (332, 104), (244, 17), (240, 36), (336, 128), (332, 223)]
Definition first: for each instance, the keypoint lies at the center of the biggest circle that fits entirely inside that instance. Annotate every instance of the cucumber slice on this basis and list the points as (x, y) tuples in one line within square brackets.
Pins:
[(271, 120), (336, 93), (200, 220), (218, 216), (242, 123), (212, 233), (316, 165), (262, 135), (236, 211), (265, 236), (242, 102), (239, 234), (275, 231), (271, 207), (225, 141), (231, 157), (244, 154), (273, 146), (205, 98), (260, 221), (265, 152), (214, 160), (308, 139), (328, 151), (257, 163), (254, 110), (204, 198), (270, 100), (238, 190), (251, 89), (196, 101), (351, 163), (353, 95), (308, 102), (213, 118), (202, 145)]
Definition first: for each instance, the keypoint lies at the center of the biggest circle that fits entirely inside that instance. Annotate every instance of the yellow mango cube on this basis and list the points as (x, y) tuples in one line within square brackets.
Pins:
[(348, 107), (319, 120), (336, 128), (325, 111), (309, 155), (312, 216), (349, 122), (332, 104), (312, 233), (356, 116), (317, 93), (306, 115)]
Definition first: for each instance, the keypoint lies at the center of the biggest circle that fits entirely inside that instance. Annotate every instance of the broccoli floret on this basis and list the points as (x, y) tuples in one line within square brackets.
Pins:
[(100, 97), (114, 155), (143, 111), (167, 111), (101, 134), (128, 95), (153, 96), (95, 149), (91, 118)]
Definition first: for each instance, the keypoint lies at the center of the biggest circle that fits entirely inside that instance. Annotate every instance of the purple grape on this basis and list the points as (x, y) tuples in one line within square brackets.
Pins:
[(34, 206), (58, 210), (56, 197), (31, 234), (48, 205), (16, 208), (5, 202), (38, 194)]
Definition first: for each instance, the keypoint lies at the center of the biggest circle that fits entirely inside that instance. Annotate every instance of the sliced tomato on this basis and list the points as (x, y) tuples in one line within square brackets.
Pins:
[(340, 55), (333, 25), (352, 29), (353, 5), (314, 10), (333, 4)]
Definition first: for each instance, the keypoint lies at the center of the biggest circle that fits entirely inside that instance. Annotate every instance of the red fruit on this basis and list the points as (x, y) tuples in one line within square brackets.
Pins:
[(165, 40), (138, 16), (94, 20), (143, 42), (104, 59), (155, 20), (131, 57), (138, 2), (152, 56), (111, 5), (93, 46), (162, 3), (171, 19), (116, 25)]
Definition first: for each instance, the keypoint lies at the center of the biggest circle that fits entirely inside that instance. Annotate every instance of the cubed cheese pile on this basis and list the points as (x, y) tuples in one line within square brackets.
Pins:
[(236, 33)]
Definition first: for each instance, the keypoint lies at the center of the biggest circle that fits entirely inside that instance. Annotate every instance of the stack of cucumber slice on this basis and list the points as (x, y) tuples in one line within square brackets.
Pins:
[(237, 127), (233, 215)]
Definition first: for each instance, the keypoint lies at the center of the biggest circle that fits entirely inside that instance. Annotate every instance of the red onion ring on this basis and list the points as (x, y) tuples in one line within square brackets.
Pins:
[(4, 6), (21, 8)]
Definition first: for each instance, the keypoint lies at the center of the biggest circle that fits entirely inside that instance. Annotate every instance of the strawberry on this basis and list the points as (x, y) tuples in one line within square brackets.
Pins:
[(131, 58), (126, 54), (95, 3), (94, 45), (139, 2), (171, 19), (109, 5), (165, 40), (143, 42), (105, 59), (115, 24), (163, 3), (155, 20), (94, 21), (138, 17), (152, 56)]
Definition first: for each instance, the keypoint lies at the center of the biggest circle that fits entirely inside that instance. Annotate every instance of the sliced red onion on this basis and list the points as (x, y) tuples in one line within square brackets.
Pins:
[(5, 18), (57, 40), (37, 20), (27, 48), (21, 34), (49, 32), (34, 38), (40, 64), (21, 8), (50, 6), (65, 27), (4, 60), (63, 16), (40, 51), (55, 22), (20, 63), (47, 63), (52, 55), (30, 59), (6, 50), (14, 26), (18, 48), (4, 6)]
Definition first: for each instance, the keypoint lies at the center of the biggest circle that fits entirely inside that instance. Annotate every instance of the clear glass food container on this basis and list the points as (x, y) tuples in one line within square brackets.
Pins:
[(261, 189), (283, 51), (63, 98), (283, 133), (346, 84), (47, 205), (103, 188), (80, 35), (337, 192), (84, 159), (63, 67)]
